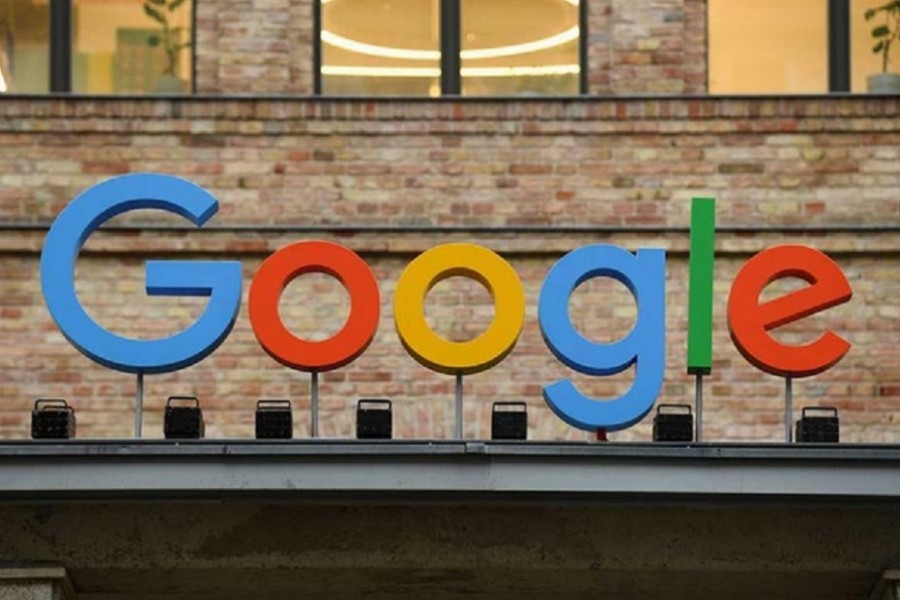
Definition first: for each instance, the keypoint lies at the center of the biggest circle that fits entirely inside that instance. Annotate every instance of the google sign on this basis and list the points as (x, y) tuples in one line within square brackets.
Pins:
[(642, 272)]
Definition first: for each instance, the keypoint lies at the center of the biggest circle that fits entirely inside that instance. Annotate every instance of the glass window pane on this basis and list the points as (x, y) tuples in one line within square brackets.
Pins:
[(24, 46), (380, 47), (863, 61), (768, 46), (519, 47), (121, 47)]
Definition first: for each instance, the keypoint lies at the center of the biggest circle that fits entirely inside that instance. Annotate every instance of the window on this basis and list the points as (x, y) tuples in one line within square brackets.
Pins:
[(24, 46), (864, 62), (469, 47), (768, 46), (362, 53), (794, 47), (513, 47), (131, 46), (96, 46)]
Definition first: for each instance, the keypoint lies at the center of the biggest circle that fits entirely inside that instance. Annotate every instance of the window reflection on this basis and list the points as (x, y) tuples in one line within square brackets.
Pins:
[(864, 62), (519, 47), (131, 46), (24, 46), (768, 46), (392, 47), (380, 47)]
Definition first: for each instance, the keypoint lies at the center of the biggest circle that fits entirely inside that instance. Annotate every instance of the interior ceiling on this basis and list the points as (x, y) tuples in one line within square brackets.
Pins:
[(413, 24)]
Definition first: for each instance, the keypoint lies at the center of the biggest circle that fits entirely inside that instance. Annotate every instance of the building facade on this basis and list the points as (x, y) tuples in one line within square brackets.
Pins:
[(649, 109)]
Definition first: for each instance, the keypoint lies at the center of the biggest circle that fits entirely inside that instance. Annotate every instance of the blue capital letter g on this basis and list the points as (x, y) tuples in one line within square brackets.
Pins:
[(220, 280)]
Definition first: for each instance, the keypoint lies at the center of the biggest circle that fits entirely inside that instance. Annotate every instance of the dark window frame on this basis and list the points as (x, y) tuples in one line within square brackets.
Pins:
[(61, 47), (838, 45), (450, 46)]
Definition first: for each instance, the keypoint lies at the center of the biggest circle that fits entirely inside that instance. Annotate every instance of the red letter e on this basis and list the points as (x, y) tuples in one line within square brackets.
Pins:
[(750, 321)]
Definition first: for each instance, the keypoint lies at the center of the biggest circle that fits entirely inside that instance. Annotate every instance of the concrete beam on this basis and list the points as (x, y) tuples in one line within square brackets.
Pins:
[(452, 520), (452, 470), (232, 550)]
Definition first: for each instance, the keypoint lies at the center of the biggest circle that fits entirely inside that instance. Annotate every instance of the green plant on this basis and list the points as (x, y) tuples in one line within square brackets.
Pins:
[(163, 11), (886, 34)]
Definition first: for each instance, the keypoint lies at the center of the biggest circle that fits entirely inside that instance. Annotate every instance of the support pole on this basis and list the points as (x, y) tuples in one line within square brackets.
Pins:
[(139, 406), (314, 405), (459, 406), (698, 407), (788, 408)]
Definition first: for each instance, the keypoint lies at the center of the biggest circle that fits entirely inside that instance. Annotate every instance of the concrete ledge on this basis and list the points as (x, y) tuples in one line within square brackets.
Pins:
[(447, 470), (888, 587), (305, 111), (34, 582)]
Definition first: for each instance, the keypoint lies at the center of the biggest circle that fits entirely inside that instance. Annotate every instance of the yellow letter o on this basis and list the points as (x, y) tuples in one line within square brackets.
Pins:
[(466, 260)]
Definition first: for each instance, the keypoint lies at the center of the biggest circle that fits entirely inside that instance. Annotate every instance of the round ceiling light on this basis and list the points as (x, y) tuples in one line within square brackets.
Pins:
[(433, 55), (351, 45)]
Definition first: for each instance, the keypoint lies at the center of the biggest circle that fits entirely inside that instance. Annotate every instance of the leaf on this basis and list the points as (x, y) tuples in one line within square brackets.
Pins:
[(174, 4), (154, 14), (158, 2), (870, 13), (878, 47), (881, 31)]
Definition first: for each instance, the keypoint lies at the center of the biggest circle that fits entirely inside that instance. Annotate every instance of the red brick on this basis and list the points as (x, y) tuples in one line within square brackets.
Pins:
[(104, 168)]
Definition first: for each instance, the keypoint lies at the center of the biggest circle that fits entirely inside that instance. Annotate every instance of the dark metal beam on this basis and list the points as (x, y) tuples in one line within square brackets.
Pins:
[(839, 45), (451, 25), (317, 47), (60, 46), (583, 65)]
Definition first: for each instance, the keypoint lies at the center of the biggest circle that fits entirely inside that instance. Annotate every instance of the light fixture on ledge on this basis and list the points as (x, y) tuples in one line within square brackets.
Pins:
[(374, 419), (274, 420), (673, 423), (183, 419), (509, 421), (823, 427), (52, 419)]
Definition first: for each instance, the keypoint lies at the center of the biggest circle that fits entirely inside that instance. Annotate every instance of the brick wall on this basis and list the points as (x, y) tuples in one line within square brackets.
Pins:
[(626, 170), (646, 47), (254, 46)]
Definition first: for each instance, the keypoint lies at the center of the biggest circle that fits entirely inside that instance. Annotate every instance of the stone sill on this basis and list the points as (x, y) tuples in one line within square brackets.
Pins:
[(567, 108)]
